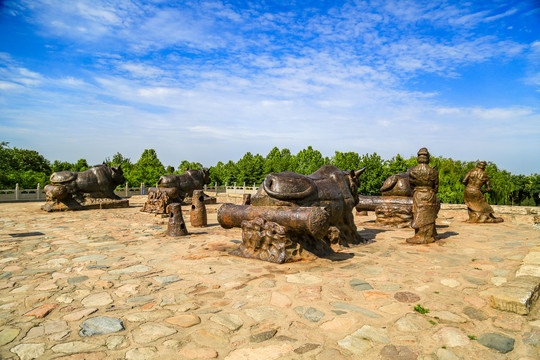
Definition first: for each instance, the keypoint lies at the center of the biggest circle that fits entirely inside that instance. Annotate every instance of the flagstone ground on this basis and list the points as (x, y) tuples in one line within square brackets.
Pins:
[(109, 284)]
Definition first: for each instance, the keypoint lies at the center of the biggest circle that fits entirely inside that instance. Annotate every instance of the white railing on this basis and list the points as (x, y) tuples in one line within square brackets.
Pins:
[(38, 194)]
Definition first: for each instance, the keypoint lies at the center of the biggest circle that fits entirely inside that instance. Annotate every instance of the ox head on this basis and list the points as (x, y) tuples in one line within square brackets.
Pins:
[(353, 178), (118, 175), (206, 176)]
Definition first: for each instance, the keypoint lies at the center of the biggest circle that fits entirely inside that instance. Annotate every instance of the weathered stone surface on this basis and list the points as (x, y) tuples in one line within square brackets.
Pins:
[(8, 335), (310, 313), (350, 307), (100, 325), (232, 322), (406, 297), (474, 313), (262, 336), (28, 351), (270, 352), (166, 280), (339, 323), (371, 333), (73, 347), (84, 356), (446, 316), (360, 285), (452, 337), (280, 300), (453, 283), (79, 314), (210, 337), (392, 352), (445, 354), (96, 300), (356, 345), (131, 269), (184, 320), (42, 311), (303, 278), (114, 342), (501, 343), (198, 353), (149, 332), (412, 323), (144, 353)]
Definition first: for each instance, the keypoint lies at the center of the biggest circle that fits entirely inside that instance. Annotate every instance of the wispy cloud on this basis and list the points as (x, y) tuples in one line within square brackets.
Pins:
[(341, 77)]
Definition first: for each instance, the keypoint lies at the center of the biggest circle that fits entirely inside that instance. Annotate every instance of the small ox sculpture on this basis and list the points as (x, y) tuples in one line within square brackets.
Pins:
[(93, 188), (174, 188), (394, 207), (294, 217)]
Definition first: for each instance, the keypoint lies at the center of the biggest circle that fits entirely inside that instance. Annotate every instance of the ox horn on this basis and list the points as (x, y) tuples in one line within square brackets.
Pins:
[(357, 173)]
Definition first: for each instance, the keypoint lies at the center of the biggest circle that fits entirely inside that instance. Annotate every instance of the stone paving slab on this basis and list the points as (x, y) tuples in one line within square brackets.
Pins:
[(109, 284)]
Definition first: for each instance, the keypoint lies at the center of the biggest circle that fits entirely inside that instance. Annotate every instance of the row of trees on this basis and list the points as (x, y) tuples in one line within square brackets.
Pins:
[(27, 167)]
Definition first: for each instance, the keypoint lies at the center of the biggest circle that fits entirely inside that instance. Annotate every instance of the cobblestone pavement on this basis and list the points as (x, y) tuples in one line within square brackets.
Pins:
[(109, 284)]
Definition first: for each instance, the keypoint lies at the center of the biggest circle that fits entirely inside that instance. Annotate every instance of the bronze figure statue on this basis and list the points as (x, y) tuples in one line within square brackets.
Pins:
[(178, 189), (313, 211), (93, 188), (425, 184), (479, 209)]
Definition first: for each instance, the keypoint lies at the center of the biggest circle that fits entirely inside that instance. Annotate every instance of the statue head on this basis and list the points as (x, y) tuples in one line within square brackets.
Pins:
[(423, 156), (481, 165)]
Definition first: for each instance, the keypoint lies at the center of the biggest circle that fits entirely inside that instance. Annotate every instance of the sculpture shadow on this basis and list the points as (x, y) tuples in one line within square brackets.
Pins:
[(447, 234), (441, 226), (370, 234), (339, 256)]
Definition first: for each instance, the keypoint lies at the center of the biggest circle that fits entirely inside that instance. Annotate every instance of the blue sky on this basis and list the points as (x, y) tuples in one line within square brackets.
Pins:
[(208, 81)]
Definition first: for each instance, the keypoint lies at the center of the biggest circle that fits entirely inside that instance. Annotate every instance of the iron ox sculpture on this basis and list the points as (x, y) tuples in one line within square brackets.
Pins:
[(93, 188), (177, 189), (294, 217), (394, 207)]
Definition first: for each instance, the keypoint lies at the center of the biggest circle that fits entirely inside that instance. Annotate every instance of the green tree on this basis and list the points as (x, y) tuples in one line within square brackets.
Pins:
[(188, 165), (250, 169), (25, 167), (346, 161), (278, 161), (80, 165), (373, 178), (309, 160), (148, 169)]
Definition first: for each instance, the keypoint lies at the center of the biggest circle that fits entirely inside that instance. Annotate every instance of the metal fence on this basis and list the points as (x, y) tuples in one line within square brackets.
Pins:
[(124, 191)]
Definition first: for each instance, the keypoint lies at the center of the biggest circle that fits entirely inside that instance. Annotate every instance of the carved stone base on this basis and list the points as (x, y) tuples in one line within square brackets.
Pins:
[(479, 217), (89, 203), (269, 241), (394, 215), (157, 202)]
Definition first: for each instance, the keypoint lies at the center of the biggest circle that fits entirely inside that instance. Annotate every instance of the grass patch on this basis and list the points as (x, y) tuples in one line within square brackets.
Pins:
[(420, 309)]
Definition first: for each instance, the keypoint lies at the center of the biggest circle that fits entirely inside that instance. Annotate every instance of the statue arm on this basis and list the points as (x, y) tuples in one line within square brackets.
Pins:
[(488, 186), (436, 184), (466, 179)]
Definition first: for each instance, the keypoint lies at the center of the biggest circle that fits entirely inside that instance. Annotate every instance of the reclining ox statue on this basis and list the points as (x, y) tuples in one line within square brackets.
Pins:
[(394, 207), (174, 188), (295, 216), (70, 190)]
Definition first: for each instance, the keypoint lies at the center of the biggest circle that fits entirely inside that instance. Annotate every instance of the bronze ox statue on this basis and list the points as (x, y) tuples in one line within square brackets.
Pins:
[(92, 188), (394, 207), (174, 188), (321, 202), (184, 184)]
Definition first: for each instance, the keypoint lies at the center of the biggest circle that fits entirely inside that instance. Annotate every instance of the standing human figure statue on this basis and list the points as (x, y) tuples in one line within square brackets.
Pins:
[(479, 209), (425, 183)]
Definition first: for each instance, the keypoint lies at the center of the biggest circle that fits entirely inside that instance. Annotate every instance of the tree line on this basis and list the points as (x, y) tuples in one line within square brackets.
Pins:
[(28, 168)]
